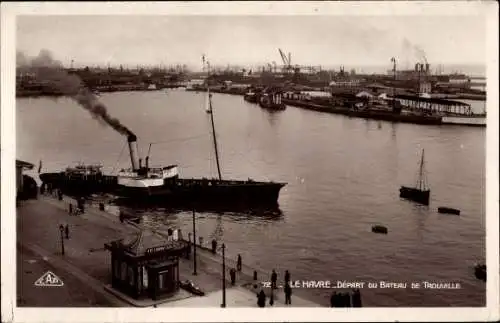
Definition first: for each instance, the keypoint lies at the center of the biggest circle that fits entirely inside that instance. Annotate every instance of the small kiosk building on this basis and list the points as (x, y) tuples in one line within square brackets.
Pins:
[(146, 266)]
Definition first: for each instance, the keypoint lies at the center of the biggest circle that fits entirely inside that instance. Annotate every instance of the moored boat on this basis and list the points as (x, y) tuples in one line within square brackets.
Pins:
[(379, 229), (448, 210), (272, 100), (420, 193), (251, 97)]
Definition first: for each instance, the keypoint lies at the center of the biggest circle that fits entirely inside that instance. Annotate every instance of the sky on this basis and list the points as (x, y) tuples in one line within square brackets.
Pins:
[(253, 40)]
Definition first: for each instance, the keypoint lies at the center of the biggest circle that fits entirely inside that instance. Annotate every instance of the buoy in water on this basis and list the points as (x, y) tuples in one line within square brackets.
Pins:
[(379, 229), (480, 272)]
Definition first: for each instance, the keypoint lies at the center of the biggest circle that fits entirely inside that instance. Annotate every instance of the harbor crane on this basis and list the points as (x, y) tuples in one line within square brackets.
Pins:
[(287, 61)]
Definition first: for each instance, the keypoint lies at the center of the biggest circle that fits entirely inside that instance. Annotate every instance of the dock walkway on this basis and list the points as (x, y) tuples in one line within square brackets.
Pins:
[(88, 263)]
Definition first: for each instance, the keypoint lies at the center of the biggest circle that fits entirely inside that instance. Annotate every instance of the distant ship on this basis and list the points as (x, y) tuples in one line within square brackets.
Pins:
[(162, 185), (421, 192)]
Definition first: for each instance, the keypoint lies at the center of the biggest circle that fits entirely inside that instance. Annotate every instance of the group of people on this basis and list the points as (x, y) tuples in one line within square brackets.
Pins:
[(72, 210), (346, 299), (261, 296), (79, 209)]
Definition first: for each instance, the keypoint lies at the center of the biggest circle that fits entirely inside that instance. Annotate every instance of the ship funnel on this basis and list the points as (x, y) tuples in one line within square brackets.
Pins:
[(132, 145), (147, 162), (140, 163)]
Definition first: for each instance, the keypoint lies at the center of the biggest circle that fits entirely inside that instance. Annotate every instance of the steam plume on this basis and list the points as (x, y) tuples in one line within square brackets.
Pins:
[(51, 72), (420, 54), (418, 51)]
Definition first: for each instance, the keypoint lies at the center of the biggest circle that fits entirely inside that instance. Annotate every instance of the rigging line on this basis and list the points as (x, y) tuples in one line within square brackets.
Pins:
[(252, 164), (119, 157), (177, 140)]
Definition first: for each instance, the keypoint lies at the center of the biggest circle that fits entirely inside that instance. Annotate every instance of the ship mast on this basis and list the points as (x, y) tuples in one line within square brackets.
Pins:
[(211, 112), (214, 135), (421, 184)]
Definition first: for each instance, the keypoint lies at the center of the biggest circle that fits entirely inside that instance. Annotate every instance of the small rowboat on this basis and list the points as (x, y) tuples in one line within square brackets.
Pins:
[(448, 210), (379, 229)]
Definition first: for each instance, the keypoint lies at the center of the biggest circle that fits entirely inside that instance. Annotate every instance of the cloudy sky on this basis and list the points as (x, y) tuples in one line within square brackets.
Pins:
[(248, 40)]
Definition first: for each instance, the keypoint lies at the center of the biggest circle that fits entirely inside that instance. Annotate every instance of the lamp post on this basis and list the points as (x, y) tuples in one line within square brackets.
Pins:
[(194, 244), (223, 276), (393, 60), (61, 231)]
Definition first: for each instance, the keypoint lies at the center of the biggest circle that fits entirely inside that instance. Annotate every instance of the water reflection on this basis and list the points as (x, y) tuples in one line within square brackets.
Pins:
[(160, 213), (421, 212), (394, 127), (272, 116)]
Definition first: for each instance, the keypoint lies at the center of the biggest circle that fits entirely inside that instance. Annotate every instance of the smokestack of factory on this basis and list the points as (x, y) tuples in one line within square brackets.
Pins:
[(427, 67), (416, 67), (132, 145)]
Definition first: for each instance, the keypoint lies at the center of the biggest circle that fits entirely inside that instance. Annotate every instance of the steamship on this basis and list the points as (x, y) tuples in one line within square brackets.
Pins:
[(162, 185)]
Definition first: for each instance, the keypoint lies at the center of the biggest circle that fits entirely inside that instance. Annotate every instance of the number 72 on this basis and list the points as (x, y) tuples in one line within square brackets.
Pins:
[(266, 284)]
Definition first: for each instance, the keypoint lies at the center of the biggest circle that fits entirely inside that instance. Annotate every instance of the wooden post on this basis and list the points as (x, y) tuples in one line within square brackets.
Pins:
[(194, 245)]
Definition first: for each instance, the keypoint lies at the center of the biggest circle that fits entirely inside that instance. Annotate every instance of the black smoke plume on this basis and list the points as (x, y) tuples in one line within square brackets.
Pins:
[(51, 72)]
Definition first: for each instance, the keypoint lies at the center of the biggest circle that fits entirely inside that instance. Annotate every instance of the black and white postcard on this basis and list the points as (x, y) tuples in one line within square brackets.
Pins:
[(249, 161)]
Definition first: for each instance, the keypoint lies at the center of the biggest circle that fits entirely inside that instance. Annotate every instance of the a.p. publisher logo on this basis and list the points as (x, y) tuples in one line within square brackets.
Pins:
[(49, 279)]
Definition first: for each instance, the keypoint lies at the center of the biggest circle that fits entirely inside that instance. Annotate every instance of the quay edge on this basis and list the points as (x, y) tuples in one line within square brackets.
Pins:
[(85, 261), (371, 115)]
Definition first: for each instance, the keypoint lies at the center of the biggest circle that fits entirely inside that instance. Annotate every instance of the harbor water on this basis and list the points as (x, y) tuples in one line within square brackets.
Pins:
[(343, 177)]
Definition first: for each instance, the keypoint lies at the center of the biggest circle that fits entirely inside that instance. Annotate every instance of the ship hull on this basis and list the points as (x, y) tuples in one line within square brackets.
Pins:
[(273, 106), (448, 210), (250, 98), (415, 195), (217, 194)]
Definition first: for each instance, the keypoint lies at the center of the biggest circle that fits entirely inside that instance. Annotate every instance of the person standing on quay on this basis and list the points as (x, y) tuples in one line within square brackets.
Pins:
[(333, 300), (238, 264), (274, 279), (288, 294), (356, 298), (214, 246), (232, 273), (287, 277), (261, 299)]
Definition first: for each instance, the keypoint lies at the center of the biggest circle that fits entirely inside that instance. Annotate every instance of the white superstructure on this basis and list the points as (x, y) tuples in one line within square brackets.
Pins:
[(145, 178)]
